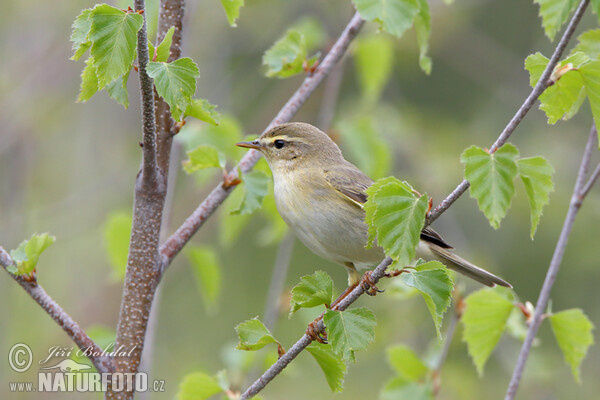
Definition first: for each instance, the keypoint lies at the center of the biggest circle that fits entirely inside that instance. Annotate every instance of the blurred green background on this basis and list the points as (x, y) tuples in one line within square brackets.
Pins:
[(65, 167)]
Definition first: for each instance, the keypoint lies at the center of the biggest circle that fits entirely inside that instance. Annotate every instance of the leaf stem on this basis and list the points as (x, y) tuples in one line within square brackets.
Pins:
[(577, 198)]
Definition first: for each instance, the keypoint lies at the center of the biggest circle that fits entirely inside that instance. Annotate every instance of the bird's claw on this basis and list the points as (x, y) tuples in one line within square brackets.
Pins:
[(368, 285), (313, 332)]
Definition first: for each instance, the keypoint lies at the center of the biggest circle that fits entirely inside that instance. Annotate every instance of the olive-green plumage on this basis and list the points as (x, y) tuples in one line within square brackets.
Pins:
[(320, 196)]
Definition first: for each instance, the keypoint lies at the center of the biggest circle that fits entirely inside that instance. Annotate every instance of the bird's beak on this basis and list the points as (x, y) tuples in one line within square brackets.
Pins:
[(255, 144)]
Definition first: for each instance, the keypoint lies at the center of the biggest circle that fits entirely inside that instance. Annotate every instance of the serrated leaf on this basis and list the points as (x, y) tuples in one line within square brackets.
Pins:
[(366, 146), (554, 14), (423, 28), (591, 76), (118, 90), (207, 271), (253, 335), (396, 216), (286, 57), (79, 34), (27, 255), (117, 231), (573, 332), (588, 43), (223, 136), (349, 331), (484, 320), (374, 57), (406, 363), (331, 364), (198, 386), (204, 111), (313, 290), (256, 187), (536, 174), (232, 9), (89, 81), (393, 16), (434, 283), (203, 156), (492, 179), (400, 388), (164, 48), (175, 82), (563, 99), (113, 34)]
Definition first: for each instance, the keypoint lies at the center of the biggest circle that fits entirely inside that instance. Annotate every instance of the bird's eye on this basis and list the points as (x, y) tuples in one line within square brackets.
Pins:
[(279, 144)]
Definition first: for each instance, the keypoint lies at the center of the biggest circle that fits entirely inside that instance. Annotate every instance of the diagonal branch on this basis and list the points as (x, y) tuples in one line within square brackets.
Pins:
[(579, 193), (539, 88), (380, 270), (175, 243), (82, 340)]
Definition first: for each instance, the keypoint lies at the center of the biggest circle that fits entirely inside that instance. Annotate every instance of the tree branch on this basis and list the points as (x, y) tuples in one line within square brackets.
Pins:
[(539, 88), (577, 198), (72, 329), (176, 242), (380, 270)]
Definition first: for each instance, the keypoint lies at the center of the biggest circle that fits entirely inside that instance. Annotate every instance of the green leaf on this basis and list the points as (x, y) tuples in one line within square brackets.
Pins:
[(118, 90), (198, 386), (573, 332), (89, 81), (591, 76), (113, 34), (484, 320), (396, 216), (313, 290), (536, 174), (175, 82), (563, 99), (366, 146), (207, 271), (589, 43), (253, 335), (400, 388), (349, 331), (164, 48), (423, 28), (554, 14), (256, 187), (26, 256), (79, 34), (117, 231), (286, 57), (374, 57), (312, 30), (393, 16), (331, 364), (232, 9), (492, 179), (434, 283), (406, 363), (203, 156), (204, 111)]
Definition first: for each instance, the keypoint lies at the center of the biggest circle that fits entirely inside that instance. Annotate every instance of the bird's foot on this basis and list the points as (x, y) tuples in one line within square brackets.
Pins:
[(368, 285), (312, 330)]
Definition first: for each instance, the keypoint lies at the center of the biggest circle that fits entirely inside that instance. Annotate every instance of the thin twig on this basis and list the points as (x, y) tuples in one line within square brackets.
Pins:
[(540, 308), (539, 88), (280, 270), (64, 320), (591, 181), (176, 242)]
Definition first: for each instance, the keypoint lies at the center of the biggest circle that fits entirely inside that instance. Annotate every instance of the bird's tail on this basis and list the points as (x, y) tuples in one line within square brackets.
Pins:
[(464, 267)]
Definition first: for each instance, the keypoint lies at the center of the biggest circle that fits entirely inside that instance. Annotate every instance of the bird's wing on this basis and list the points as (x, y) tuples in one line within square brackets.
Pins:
[(350, 182), (431, 236)]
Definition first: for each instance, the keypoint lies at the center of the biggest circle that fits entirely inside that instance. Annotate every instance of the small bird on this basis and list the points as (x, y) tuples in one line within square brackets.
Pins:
[(320, 196)]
